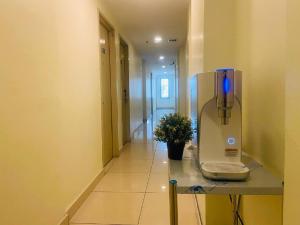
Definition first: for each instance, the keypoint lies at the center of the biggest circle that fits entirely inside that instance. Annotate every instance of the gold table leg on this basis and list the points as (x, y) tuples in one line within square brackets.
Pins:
[(173, 202)]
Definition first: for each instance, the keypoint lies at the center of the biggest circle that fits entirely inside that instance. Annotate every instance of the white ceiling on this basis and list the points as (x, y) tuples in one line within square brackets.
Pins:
[(141, 20)]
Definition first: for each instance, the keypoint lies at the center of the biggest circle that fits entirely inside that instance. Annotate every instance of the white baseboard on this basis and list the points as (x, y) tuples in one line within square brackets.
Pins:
[(72, 209)]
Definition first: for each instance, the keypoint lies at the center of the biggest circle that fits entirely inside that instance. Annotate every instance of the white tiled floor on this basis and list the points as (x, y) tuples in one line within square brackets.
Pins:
[(121, 182), (135, 189), (156, 210), (131, 166), (158, 182), (110, 208)]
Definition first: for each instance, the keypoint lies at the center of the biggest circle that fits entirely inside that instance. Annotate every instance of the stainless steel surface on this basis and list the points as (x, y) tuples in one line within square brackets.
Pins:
[(173, 202), (190, 179), (225, 93)]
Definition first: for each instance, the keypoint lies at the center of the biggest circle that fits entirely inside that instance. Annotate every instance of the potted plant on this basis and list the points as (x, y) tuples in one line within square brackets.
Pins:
[(175, 130)]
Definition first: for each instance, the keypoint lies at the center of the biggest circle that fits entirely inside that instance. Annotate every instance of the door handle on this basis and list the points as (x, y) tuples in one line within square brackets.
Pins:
[(125, 95)]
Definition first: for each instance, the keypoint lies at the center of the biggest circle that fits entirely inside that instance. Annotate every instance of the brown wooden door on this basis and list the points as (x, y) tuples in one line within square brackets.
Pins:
[(107, 140), (125, 92)]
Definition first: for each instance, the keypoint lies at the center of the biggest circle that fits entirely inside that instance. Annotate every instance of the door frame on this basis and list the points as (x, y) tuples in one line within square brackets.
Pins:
[(176, 71), (152, 97), (113, 94), (126, 62)]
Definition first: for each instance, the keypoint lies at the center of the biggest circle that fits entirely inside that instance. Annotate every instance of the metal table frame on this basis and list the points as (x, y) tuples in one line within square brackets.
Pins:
[(186, 178)]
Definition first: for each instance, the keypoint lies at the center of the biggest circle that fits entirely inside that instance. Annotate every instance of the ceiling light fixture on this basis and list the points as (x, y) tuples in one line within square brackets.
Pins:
[(165, 72), (157, 39), (164, 67), (161, 57)]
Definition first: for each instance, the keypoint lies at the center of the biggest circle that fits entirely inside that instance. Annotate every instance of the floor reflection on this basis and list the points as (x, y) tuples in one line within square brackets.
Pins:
[(135, 188), (144, 134)]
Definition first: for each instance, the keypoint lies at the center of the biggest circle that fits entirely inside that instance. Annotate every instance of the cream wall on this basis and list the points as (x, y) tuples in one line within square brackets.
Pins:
[(136, 89), (292, 152), (182, 81), (244, 35), (195, 37), (148, 93), (219, 29), (195, 43), (261, 46), (147, 89), (50, 132), (50, 88), (144, 80), (261, 55)]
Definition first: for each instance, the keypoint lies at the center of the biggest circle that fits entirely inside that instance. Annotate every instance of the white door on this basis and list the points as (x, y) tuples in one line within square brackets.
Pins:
[(165, 92)]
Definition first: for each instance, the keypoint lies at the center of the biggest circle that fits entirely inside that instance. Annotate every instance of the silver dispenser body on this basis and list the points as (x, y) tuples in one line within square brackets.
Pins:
[(224, 80), (217, 115)]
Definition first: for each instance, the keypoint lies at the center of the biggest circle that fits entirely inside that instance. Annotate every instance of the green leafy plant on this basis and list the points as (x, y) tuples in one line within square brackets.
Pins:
[(174, 128)]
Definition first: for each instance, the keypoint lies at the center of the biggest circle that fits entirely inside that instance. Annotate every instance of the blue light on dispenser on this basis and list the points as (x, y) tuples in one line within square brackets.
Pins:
[(226, 85), (231, 141)]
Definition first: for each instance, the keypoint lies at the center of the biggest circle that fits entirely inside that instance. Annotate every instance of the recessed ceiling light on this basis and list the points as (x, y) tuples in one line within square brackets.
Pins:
[(102, 41), (165, 72), (163, 66), (161, 57), (157, 39)]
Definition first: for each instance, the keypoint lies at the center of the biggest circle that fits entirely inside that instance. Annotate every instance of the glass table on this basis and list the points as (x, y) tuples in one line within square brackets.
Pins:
[(185, 177)]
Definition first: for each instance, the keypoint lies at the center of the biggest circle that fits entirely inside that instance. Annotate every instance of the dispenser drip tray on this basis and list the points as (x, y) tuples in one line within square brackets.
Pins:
[(225, 171)]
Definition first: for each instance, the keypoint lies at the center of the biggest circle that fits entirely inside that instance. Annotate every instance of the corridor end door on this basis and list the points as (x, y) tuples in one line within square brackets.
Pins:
[(165, 91), (125, 92), (107, 140)]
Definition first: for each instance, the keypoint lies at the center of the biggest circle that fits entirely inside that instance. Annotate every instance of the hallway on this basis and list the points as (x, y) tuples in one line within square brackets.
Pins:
[(84, 82), (135, 189)]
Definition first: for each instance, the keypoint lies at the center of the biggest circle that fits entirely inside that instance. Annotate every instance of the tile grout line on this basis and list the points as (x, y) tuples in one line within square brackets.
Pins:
[(155, 150), (95, 191), (139, 220), (99, 224), (122, 192)]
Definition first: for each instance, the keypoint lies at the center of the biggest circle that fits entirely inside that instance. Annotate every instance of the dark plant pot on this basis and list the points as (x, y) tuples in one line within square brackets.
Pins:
[(175, 150)]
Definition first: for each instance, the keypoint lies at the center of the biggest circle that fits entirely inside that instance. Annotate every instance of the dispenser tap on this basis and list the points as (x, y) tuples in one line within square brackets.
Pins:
[(225, 93)]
